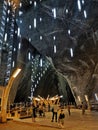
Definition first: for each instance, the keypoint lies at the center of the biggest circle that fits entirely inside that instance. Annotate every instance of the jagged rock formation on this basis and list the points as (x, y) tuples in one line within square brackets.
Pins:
[(69, 31), (78, 70)]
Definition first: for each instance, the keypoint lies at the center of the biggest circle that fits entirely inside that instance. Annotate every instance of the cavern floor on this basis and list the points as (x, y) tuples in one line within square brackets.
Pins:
[(76, 121)]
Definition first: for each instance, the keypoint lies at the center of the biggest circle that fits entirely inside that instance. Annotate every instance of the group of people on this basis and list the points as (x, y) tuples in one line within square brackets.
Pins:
[(40, 108), (58, 113)]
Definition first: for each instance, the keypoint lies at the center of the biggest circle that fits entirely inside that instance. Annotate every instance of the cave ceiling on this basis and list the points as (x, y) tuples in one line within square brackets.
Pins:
[(69, 37), (68, 30)]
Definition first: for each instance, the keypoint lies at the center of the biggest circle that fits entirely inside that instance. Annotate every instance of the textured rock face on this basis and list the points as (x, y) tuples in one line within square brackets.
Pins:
[(70, 39), (70, 30)]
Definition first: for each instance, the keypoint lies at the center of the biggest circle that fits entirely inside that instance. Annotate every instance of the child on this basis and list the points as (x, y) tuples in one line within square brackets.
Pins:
[(61, 119)]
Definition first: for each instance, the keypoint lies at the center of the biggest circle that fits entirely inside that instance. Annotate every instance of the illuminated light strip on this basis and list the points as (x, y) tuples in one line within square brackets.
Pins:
[(54, 38), (20, 13), (34, 22), (85, 14), (71, 52), (79, 4), (29, 55), (69, 31), (41, 62), (30, 2), (86, 98), (18, 31), (16, 73), (54, 48), (79, 98), (5, 38), (35, 4), (41, 37), (96, 96), (54, 13), (82, 1)]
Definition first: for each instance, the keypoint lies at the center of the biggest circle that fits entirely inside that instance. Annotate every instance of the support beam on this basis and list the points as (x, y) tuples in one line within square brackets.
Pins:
[(5, 96)]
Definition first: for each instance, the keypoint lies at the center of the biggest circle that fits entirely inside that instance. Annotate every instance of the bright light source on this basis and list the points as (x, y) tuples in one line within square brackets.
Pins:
[(19, 46), (41, 62), (29, 55), (29, 39), (79, 98), (20, 13), (34, 22), (9, 3), (14, 49), (40, 19), (85, 14), (20, 4), (79, 5), (18, 31), (7, 19), (54, 13), (71, 52), (66, 11), (82, 1), (37, 82), (54, 37), (86, 98), (61, 96), (20, 21), (30, 1), (8, 11), (30, 26), (54, 48), (69, 31), (5, 38), (16, 73), (41, 37), (34, 3), (96, 96)]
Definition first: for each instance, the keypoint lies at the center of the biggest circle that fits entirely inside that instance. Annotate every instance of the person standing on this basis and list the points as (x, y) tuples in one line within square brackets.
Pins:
[(33, 112), (61, 119), (83, 108), (54, 112), (68, 108)]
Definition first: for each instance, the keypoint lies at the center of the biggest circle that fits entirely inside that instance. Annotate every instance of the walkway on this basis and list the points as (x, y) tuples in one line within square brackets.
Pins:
[(76, 121)]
